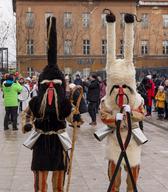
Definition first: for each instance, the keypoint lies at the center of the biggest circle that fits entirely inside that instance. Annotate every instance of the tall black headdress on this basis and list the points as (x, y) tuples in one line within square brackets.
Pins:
[(51, 80), (52, 41), (51, 71)]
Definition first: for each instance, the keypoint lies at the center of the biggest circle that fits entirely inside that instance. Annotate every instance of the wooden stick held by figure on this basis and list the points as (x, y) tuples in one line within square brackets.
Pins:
[(76, 121)]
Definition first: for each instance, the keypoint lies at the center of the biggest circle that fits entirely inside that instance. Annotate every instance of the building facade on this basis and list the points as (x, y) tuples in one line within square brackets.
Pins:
[(81, 29), (152, 34)]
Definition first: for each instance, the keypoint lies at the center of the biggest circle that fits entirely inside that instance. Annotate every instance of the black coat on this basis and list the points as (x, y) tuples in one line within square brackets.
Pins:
[(93, 91), (48, 153)]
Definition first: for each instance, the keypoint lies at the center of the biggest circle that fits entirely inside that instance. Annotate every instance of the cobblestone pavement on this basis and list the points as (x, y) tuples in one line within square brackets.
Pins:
[(89, 166)]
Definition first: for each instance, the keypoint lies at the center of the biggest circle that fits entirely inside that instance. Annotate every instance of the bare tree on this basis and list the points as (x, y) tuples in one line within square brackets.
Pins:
[(4, 32), (27, 29)]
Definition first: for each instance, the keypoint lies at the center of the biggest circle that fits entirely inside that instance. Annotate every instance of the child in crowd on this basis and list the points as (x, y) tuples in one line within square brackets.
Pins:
[(160, 102)]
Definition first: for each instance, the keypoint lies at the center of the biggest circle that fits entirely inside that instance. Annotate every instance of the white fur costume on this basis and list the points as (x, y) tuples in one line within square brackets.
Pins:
[(120, 72)]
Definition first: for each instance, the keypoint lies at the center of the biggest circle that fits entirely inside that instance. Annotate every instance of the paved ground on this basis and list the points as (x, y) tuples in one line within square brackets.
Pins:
[(89, 167)]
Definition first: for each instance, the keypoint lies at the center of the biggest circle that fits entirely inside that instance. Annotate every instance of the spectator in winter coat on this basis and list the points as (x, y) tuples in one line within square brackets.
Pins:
[(160, 102), (78, 80), (141, 88), (150, 87), (93, 98), (10, 92), (28, 85)]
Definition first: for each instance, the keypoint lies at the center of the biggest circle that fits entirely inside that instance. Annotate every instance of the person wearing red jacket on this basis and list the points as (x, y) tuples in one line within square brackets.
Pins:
[(150, 87)]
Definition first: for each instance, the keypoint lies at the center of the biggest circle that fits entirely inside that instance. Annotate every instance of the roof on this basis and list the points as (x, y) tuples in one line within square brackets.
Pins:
[(153, 2)]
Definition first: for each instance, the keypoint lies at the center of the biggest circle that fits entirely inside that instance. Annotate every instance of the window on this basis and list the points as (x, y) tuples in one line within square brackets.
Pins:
[(86, 19), (48, 14), (121, 47), (104, 47), (67, 19), (122, 22), (144, 47), (30, 47), (165, 21), (68, 47), (30, 19), (103, 19), (30, 71), (165, 47), (145, 21), (86, 47)]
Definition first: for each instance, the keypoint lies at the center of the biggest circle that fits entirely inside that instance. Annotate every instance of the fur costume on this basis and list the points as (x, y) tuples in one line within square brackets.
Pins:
[(78, 103), (121, 89), (48, 110)]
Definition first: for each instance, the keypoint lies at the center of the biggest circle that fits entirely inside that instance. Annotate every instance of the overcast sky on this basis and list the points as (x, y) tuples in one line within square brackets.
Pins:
[(6, 15)]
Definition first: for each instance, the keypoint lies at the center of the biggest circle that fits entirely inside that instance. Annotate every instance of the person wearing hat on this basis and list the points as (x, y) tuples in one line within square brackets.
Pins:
[(10, 91), (78, 80), (160, 102), (46, 113), (93, 96), (28, 85)]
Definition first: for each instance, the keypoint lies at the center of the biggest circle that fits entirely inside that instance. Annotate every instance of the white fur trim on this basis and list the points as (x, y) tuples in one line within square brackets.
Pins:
[(129, 42), (55, 81), (111, 45), (113, 150)]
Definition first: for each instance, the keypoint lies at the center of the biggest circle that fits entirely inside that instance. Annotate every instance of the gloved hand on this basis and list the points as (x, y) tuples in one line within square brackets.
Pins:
[(28, 127), (119, 116), (127, 108), (76, 117)]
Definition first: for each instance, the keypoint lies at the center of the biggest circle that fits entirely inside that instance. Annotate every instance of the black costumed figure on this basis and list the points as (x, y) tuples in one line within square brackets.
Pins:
[(46, 115), (121, 109)]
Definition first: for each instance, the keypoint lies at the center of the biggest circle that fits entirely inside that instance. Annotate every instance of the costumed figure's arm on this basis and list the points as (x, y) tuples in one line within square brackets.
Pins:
[(27, 120), (107, 116), (66, 108), (138, 114)]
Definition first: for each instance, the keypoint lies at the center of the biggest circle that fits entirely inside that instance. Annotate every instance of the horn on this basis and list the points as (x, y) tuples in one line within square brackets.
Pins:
[(102, 133), (129, 37), (52, 41), (111, 39)]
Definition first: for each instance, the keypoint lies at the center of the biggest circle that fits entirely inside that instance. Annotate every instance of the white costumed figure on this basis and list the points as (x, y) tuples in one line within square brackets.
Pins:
[(120, 91)]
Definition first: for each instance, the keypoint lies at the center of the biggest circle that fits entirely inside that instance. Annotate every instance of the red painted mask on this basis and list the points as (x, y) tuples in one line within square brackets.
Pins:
[(120, 97), (50, 93)]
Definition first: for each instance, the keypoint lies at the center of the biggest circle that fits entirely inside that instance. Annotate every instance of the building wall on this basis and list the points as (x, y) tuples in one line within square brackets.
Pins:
[(155, 34), (77, 61)]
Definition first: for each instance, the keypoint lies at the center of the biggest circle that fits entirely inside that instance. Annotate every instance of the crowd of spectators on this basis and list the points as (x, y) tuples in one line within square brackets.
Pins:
[(153, 89)]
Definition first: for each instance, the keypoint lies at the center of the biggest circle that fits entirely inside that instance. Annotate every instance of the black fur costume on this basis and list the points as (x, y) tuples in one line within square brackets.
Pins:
[(48, 153)]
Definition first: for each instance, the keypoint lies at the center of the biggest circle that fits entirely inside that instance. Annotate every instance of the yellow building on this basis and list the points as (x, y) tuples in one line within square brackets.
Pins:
[(81, 32)]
